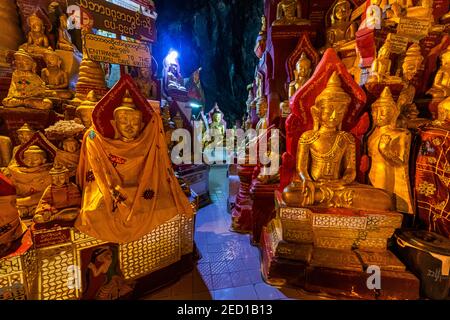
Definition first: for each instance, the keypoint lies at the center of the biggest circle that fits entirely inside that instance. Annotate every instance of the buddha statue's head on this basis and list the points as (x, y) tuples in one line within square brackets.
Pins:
[(70, 145), (384, 110), (59, 175), (85, 109), (24, 62), (35, 23), (216, 116), (52, 60), (25, 133), (127, 119), (341, 12), (331, 104), (303, 66), (144, 73), (444, 111), (412, 62), (34, 157), (261, 107)]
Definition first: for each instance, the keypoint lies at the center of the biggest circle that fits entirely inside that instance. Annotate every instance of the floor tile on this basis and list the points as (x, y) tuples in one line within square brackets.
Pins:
[(219, 267), (266, 292), (238, 293), (241, 278), (221, 281)]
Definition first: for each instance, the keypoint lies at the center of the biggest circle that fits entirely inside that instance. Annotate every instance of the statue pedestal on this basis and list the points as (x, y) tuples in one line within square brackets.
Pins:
[(329, 251), (14, 118), (263, 208), (241, 215), (14, 269), (197, 177)]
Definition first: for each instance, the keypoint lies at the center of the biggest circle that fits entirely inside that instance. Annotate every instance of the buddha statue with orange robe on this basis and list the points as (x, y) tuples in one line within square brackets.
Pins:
[(129, 187), (326, 160)]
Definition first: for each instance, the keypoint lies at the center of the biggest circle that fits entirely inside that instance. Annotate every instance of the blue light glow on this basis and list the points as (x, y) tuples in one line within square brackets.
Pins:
[(172, 57)]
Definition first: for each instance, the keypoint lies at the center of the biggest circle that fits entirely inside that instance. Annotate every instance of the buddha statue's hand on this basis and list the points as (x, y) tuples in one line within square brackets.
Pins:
[(308, 189), (384, 142)]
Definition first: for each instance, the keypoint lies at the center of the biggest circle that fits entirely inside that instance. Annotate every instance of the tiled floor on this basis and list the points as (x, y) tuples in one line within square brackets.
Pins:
[(230, 267)]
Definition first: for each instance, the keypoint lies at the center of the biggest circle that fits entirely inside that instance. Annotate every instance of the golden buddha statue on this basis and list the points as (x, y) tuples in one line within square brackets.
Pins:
[(261, 110), (389, 148), (289, 12), (69, 156), (85, 109), (146, 84), (37, 41), (129, 187), (179, 122), (342, 29), (326, 165), (30, 180), (263, 29), (27, 89), (61, 201), (381, 66), (408, 109), (64, 38), (55, 77), (443, 116), (441, 83), (422, 12), (24, 134), (302, 73), (217, 126)]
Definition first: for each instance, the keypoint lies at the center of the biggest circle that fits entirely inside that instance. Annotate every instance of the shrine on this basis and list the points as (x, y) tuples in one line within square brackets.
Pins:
[(253, 150)]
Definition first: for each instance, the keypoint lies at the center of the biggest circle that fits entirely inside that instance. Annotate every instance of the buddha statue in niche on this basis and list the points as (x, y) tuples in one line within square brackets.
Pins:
[(441, 83), (27, 89), (24, 134), (342, 29), (217, 126), (129, 187), (30, 180), (60, 201), (261, 110), (55, 77), (389, 149), (37, 41), (289, 12), (302, 73), (326, 160)]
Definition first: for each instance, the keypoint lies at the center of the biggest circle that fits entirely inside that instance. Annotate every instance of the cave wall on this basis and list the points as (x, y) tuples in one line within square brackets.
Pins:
[(217, 35)]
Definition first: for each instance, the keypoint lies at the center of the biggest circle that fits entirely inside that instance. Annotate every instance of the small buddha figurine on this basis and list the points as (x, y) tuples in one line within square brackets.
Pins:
[(326, 166), (27, 89), (174, 79), (64, 38), (55, 77), (302, 73), (373, 15), (443, 117), (146, 84), (410, 66), (389, 151), (441, 83), (69, 156), (341, 29), (85, 109), (37, 41), (422, 12), (61, 201), (178, 120), (381, 66), (30, 180), (216, 124), (24, 134), (261, 110), (289, 12)]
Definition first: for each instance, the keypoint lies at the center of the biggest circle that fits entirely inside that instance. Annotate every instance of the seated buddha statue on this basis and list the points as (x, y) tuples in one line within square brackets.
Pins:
[(60, 201), (389, 148), (174, 78), (422, 12), (146, 83), (443, 117), (342, 29), (289, 12), (302, 73), (69, 156), (64, 38), (24, 134), (441, 83), (85, 109), (128, 184), (381, 67), (27, 89), (55, 77), (261, 111), (216, 125), (326, 160), (37, 41), (30, 180), (408, 109)]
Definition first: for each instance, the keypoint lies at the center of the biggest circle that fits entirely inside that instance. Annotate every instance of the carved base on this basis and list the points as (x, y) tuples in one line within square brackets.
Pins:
[(263, 208), (197, 177), (241, 215), (340, 273)]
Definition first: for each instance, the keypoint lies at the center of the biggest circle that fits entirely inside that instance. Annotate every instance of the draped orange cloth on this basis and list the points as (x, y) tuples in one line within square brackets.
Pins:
[(129, 188)]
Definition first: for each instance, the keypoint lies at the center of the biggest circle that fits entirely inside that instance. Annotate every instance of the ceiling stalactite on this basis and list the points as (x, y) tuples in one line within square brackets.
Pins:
[(218, 36)]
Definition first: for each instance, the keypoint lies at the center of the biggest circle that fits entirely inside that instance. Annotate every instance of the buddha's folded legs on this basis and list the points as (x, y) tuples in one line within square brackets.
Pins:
[(35, 103), (353, 196)]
